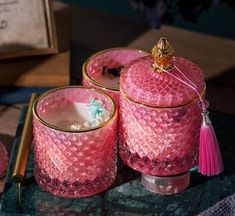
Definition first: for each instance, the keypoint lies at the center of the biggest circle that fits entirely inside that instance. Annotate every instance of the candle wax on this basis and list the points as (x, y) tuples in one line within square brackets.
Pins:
[(73, 116), (108, 80)]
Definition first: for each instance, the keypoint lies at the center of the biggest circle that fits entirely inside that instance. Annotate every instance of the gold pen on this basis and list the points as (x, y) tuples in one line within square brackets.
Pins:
[(25, 145)]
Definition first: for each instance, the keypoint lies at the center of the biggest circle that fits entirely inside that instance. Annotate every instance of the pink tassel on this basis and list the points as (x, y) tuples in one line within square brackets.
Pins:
[(210, 161)]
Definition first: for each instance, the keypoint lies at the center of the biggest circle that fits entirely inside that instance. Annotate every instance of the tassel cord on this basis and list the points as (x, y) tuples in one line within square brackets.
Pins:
[(210, 161), (191, 85)]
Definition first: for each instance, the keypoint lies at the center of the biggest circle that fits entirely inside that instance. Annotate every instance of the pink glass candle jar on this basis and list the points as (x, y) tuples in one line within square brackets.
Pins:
[(72, 161), (102, 70), (3, 160), (159, 120)]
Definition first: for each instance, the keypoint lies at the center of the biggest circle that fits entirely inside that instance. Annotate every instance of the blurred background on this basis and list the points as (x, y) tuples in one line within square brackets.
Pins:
[(211, 17)]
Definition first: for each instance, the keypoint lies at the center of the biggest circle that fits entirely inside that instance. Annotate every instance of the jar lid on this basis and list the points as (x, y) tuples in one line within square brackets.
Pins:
[(144, 80)]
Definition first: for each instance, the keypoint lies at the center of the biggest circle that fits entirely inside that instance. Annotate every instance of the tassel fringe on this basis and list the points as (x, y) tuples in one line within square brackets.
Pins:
[(210, 161)]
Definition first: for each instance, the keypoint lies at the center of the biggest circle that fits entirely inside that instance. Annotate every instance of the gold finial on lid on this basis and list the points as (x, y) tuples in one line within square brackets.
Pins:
[(162, 53)]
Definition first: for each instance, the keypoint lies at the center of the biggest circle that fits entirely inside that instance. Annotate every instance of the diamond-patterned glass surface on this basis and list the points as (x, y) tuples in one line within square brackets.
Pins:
[(111, 58), (159, 141), (71, 164), (142, 84)]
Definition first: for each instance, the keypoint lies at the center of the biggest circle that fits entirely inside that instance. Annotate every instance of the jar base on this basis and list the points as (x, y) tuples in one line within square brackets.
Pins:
[(73, 189), (166, 185)]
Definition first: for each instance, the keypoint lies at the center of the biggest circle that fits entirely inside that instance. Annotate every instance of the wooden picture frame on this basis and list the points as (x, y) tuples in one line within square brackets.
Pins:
[(27, 28)]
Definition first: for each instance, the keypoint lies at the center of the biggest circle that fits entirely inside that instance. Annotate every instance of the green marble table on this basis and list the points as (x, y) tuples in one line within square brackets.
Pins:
[(127, 196)]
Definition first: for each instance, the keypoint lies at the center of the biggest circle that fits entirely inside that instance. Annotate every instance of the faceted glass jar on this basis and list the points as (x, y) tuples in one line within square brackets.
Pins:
[(159, 123), (4, 160), (102, 70), (159, 141), (72, 163)]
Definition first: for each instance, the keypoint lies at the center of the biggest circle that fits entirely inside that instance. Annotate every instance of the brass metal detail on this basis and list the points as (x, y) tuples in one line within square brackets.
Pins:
[(25, 145), (162, 53)]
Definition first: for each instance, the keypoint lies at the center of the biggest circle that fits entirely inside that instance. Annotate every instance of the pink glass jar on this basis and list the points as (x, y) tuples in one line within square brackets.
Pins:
[(73, 163), (102, 70), (159, 123), (4, 160)]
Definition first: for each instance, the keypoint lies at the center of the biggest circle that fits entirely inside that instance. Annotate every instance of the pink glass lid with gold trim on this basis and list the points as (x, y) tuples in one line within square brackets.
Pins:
[(143, 83)]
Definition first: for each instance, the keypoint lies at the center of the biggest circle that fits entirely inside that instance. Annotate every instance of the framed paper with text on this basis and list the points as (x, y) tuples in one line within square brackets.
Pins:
[(27, 28)]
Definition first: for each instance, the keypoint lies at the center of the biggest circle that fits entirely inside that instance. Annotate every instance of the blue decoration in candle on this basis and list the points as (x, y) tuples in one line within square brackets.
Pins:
[(96, 108)]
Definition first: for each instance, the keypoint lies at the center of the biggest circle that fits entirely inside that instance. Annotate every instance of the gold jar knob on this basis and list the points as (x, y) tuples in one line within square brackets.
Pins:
[(162, 53)]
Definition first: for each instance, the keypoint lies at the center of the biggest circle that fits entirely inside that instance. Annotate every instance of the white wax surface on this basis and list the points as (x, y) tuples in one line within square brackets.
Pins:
[(73, 114), (108, 80)]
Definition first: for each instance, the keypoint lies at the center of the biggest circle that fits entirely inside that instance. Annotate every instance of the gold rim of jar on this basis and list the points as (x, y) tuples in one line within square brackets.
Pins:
[(37, 116), (84, 67), (166, 107)]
